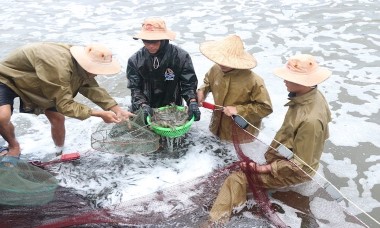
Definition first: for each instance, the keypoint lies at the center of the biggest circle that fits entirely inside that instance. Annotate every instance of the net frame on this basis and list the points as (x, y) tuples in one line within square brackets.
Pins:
[(129, 137)]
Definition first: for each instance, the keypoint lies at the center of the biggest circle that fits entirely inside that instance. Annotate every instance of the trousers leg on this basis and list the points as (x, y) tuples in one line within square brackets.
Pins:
[(232, 193)]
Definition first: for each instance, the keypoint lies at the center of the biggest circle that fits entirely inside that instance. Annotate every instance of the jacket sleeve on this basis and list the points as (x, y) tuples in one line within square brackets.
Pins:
[(135, 84), (260, 106), (281, 167), (307, 143), (188, 80), (55, 84), (205, 87), (98, 95)]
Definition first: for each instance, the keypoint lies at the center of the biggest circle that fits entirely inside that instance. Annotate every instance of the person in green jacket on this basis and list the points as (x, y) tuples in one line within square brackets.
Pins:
[(304, 132), (234, 86), (46, 77)]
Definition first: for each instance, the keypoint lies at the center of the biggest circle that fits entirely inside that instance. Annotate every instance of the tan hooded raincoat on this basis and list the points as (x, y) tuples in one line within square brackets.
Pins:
[(240, 88), (304, 131), (46, 75)]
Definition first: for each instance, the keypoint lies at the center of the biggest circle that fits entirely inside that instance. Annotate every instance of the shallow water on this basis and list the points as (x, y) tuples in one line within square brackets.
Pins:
[(344, 35)]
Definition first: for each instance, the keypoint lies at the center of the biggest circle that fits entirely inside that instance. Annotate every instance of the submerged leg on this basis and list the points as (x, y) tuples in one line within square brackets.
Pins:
[(58, 131), (7, 131), (232, 193)]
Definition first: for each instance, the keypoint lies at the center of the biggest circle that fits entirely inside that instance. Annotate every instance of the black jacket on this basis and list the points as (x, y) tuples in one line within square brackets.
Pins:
[(173, 79)]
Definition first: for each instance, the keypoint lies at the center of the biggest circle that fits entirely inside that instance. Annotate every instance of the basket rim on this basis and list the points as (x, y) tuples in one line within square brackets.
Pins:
[(167, 129)]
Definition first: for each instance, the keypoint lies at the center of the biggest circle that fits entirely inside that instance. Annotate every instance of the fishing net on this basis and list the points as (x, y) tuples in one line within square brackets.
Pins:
[(26, 184), (188, 204), (129, 137), (254, 180), (183, 205)]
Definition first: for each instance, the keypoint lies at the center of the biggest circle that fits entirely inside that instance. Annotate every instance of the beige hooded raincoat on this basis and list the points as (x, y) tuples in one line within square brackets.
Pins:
[(304, 131), (46, 75), (241, 88)]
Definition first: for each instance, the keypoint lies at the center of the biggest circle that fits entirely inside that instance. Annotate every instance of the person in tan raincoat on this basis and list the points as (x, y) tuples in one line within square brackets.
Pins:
[(233, 86), (47, 77), (304, 131)]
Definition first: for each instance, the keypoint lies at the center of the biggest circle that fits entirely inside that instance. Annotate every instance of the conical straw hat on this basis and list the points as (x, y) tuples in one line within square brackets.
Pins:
[(228, 52)]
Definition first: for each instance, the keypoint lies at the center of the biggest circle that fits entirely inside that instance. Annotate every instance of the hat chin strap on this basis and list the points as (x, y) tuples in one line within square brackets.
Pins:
[(163, 46)]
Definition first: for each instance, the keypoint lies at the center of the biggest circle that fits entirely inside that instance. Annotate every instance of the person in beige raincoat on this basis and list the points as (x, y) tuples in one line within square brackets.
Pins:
[(304, 132), (46, 77), (233, 86)]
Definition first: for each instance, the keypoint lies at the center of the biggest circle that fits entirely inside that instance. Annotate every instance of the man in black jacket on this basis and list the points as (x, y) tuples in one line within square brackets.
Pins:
[(160, 73)]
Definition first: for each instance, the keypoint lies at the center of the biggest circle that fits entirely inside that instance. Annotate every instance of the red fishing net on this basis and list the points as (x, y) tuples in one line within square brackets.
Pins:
[(253, 177), (178, 206)]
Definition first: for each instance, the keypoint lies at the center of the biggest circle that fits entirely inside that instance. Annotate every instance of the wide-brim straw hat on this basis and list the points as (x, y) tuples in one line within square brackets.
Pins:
[(228, 52), (303, 69), (96, 59), (154, 29)]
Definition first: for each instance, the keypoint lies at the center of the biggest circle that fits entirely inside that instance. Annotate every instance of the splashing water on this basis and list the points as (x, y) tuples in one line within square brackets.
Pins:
[(173, 143)]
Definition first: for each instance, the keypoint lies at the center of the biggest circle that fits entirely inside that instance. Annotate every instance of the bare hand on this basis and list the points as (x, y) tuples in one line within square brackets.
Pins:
[(230, 110), (244, 166), (109, 117), (123, 115), (200, 97)]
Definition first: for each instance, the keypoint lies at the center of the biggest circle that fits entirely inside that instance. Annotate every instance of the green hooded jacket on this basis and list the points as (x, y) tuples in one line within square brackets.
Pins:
[(45, 75)]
